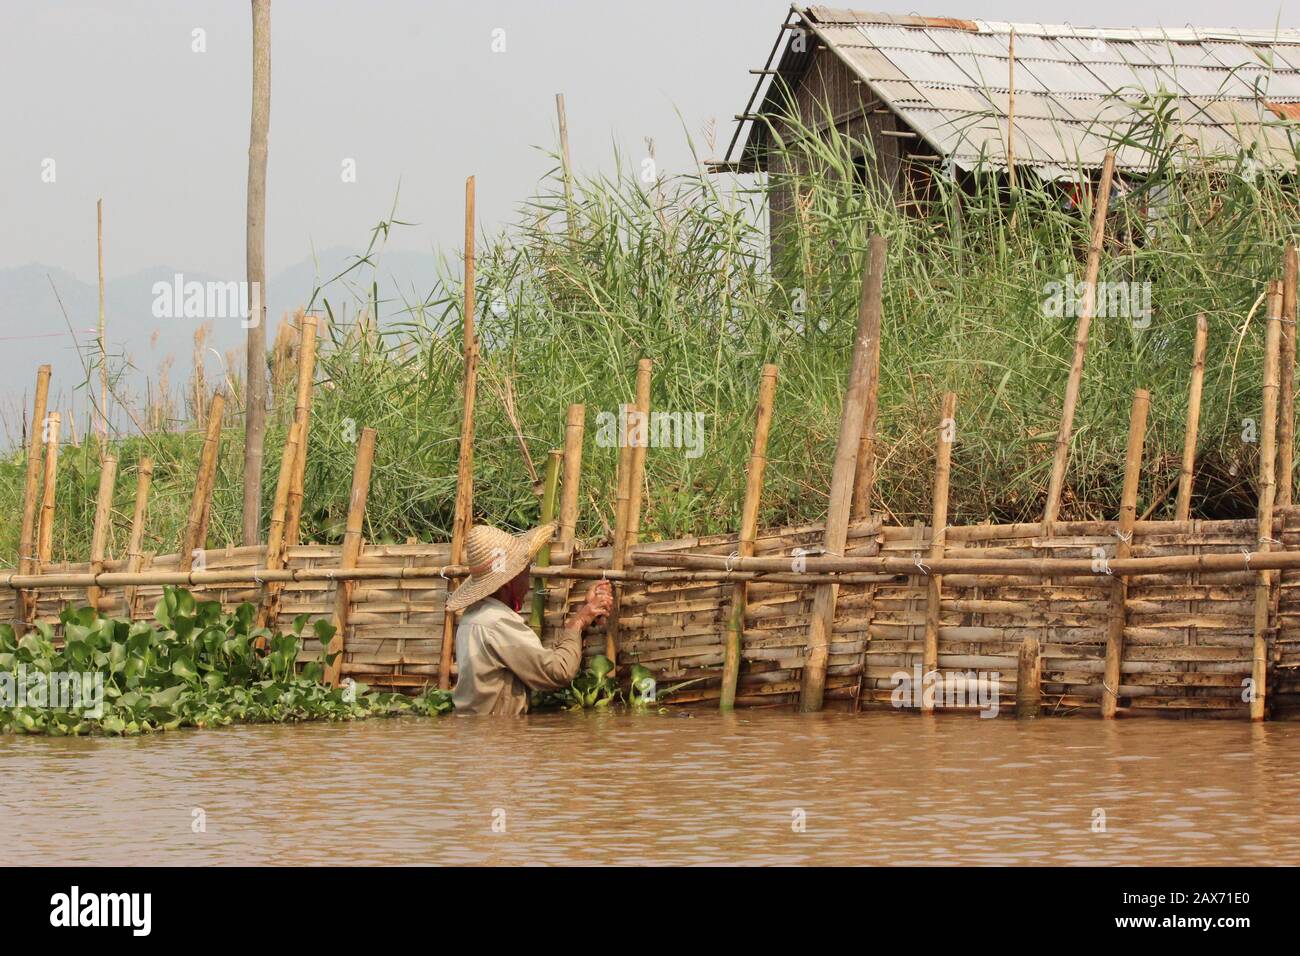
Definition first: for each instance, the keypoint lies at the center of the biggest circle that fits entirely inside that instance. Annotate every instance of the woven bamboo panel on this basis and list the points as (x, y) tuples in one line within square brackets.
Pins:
[(1188, 637)]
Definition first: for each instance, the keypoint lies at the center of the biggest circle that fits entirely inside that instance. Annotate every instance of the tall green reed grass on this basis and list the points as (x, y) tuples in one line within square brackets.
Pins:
[(678, 270)]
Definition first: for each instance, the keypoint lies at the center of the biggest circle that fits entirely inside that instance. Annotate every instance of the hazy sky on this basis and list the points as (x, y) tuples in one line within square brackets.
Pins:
[(412, 91)]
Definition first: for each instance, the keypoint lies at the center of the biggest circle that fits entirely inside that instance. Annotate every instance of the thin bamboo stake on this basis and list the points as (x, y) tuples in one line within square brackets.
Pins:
[(1087, 306), (618, 555), (350, 553), (207, 471), (550, 486), (813, 681), (103, 351), (938, 539), (302, 417), (464, 514), (1186, 476), (135, 543), (1286, 378), (1115, 621), (31, 486), (45, 535), (1029, 674), (748, 532), (103, 517), (565, 169), (1267, 496), (642, 433)]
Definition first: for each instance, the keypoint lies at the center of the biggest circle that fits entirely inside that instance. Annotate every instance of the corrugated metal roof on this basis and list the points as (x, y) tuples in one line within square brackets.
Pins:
[(1075, 88)]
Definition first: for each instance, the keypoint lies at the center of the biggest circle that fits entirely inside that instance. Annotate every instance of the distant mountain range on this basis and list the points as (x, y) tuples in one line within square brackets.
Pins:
[(34, 330)]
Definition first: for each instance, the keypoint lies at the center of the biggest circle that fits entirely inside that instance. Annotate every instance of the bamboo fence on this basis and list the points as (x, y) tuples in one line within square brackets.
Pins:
[(1129, 616)]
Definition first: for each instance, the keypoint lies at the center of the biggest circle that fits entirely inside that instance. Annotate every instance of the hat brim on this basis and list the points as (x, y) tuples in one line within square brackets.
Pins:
[(520, 555)]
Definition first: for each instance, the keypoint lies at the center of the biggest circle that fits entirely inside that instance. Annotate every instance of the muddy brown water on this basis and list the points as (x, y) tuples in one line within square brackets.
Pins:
[(757, 787)]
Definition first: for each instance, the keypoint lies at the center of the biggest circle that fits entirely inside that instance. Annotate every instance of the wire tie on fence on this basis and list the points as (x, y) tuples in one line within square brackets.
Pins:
[(730, 558), (442, 573), (1246, 553), (922, 566), (1125, 536)]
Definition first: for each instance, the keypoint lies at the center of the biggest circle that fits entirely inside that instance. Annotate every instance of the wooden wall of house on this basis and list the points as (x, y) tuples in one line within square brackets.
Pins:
[(829, 94)]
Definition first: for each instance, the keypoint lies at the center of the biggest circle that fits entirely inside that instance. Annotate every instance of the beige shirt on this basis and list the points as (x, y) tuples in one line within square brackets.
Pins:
[(499, 660)]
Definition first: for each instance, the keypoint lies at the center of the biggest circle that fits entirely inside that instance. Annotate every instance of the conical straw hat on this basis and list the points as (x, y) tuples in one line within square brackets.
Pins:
[(495, 557)]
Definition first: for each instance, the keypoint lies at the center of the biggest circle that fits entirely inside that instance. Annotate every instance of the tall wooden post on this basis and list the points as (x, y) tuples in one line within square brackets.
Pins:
[(1267, 497), (1116, 617), (135, 543), (103, 519), (194, 524), (1186, 476), (1286, 380), (642, 442), (464, 514), (748, 532), (938, 538), (1087, 307), (350, 552), (550, 486), (27, 560), (822, 620), (302, 421), (255, 263), (864, 478)]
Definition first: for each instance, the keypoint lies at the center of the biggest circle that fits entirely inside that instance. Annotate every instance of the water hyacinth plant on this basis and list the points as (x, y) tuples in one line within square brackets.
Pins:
[(596, 687), (195, 665)]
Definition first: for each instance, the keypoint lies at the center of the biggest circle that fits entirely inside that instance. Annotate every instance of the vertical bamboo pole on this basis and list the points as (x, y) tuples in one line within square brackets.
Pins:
[(1267, 496), (565, 169), (822, 619), (1286, 379), (642, 433), (1011, 117), (1183, 505), (864, 478), (276, 538), (135, 544), (103, 351), (573, 431), (45, 535), (103, 518), (302, 418), (618, 550), (1086, 308), (31, 487), (1116, 616), (550, 486), (350, 552), (1029, 667), (464, 514), (202, 484), (748, 532), (938, 538)]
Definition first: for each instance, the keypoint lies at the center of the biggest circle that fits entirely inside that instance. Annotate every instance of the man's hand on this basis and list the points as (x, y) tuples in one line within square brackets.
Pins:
[(600, 600)]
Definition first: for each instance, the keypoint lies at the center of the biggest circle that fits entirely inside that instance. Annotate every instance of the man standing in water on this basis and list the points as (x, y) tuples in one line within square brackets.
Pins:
[(499, 658)]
